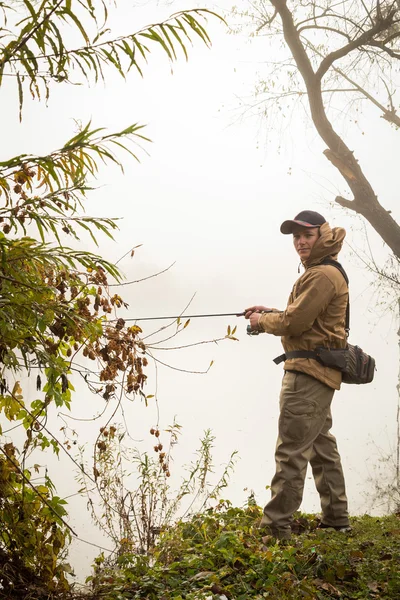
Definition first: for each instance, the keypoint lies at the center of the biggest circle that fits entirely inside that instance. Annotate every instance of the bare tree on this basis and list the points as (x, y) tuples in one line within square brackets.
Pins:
[(347, 46)]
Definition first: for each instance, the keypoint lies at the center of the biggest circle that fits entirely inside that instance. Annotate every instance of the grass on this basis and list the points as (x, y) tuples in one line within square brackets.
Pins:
[(221, 554)]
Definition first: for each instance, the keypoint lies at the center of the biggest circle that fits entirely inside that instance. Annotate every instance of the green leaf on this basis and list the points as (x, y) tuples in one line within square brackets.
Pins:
[(20, 96)]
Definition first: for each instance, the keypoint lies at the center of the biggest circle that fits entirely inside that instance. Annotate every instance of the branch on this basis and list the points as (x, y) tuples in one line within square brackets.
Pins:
[(43, 499), (143, 278), (381, 46), (31, 287), (325, 28), (388, 115), (267, 21), (346, 203), (325, 14), (26, 39), (364, 38)]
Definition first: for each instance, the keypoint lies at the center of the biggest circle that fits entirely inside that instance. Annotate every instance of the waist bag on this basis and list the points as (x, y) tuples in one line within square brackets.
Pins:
[(356, 365)]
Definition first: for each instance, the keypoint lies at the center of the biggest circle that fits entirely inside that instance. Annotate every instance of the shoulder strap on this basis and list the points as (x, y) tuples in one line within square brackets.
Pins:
[(335, 263)]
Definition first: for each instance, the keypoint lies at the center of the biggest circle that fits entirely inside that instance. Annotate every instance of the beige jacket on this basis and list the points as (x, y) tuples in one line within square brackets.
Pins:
[(316, 310)]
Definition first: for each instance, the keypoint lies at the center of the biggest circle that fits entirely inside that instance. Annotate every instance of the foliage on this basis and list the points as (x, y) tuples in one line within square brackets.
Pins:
[(57, 308), (32, 530), (220, 553), (37, 51), (134, 518)]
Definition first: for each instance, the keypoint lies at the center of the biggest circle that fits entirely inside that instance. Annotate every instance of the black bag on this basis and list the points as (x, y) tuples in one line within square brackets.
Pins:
[(356, 365)]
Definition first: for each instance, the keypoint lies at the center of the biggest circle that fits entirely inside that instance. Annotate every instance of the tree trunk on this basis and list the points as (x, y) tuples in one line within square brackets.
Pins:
[(365, 201)]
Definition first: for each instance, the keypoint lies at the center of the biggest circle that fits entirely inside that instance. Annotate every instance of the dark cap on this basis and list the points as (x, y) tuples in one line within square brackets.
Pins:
[(306, 218)]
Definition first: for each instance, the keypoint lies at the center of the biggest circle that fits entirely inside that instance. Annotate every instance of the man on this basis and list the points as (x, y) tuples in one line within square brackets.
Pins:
[(315, 316)]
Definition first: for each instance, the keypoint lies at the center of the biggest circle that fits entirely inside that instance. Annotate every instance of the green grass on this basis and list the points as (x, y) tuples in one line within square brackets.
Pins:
[(222, 552)]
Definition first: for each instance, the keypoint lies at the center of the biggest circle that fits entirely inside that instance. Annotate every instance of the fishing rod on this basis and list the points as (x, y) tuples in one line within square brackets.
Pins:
[(187, 317), (249, 330)]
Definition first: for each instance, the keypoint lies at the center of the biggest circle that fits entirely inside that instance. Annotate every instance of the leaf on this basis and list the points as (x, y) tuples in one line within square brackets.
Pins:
[(374, 586), (20, 96), (186, 324), (17, 390), (327, 587), (42, 489)]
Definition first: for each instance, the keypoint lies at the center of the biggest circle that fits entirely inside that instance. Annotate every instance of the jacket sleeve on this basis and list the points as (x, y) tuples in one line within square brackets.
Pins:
[(315, 293)]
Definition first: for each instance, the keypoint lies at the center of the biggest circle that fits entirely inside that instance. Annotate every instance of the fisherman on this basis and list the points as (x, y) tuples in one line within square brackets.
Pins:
[(315, 316)]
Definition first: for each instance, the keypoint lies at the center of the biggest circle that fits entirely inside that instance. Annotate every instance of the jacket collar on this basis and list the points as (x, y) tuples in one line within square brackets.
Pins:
[(329, 244)]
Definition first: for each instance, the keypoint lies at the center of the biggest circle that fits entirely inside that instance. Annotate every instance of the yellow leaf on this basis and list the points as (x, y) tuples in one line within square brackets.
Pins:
[(17, 390)]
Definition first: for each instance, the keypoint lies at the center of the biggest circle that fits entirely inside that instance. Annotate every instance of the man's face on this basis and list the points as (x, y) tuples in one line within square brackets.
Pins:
[(304, 239)]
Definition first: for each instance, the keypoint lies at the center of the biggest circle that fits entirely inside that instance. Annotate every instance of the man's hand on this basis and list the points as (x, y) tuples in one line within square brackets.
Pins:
[(255, 309), (254, 318)]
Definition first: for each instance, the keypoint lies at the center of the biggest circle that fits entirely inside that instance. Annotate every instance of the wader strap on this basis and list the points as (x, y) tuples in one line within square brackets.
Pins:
[(335, 263), (295, 354)]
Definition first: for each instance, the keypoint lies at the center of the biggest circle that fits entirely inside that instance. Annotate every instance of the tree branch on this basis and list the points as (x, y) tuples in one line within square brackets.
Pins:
[(362, 40), (324, 28), (381, 46), (346, 203), (26, 39), (389, 115)]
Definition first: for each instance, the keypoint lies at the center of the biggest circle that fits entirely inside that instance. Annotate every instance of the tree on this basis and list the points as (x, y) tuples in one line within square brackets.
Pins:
[(332, 48), (56, 303)]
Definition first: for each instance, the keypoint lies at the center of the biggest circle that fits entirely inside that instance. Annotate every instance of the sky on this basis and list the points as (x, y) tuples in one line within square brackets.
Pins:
[(209, 195)]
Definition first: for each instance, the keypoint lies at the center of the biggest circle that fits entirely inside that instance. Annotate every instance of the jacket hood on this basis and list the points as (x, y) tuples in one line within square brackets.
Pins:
[(329, 244)]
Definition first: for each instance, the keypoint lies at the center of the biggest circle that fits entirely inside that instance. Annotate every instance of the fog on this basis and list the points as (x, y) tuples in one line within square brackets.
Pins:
[(209, 195)]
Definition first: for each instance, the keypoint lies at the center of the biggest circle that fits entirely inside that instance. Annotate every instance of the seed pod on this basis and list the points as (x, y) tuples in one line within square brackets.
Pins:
[(157, 433), (160, 446), (152, 431)]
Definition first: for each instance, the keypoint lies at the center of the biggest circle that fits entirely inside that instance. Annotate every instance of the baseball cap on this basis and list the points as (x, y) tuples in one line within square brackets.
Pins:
[(305, 218)]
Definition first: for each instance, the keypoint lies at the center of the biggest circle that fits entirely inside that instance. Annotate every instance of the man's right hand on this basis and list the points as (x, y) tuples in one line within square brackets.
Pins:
[(253, 309)]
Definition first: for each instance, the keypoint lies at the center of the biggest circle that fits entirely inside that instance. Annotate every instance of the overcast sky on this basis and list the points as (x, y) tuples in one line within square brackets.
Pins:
[(210, 196)]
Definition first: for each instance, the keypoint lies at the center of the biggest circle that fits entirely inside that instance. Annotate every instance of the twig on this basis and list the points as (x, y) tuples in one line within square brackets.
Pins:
[(143, 279)]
